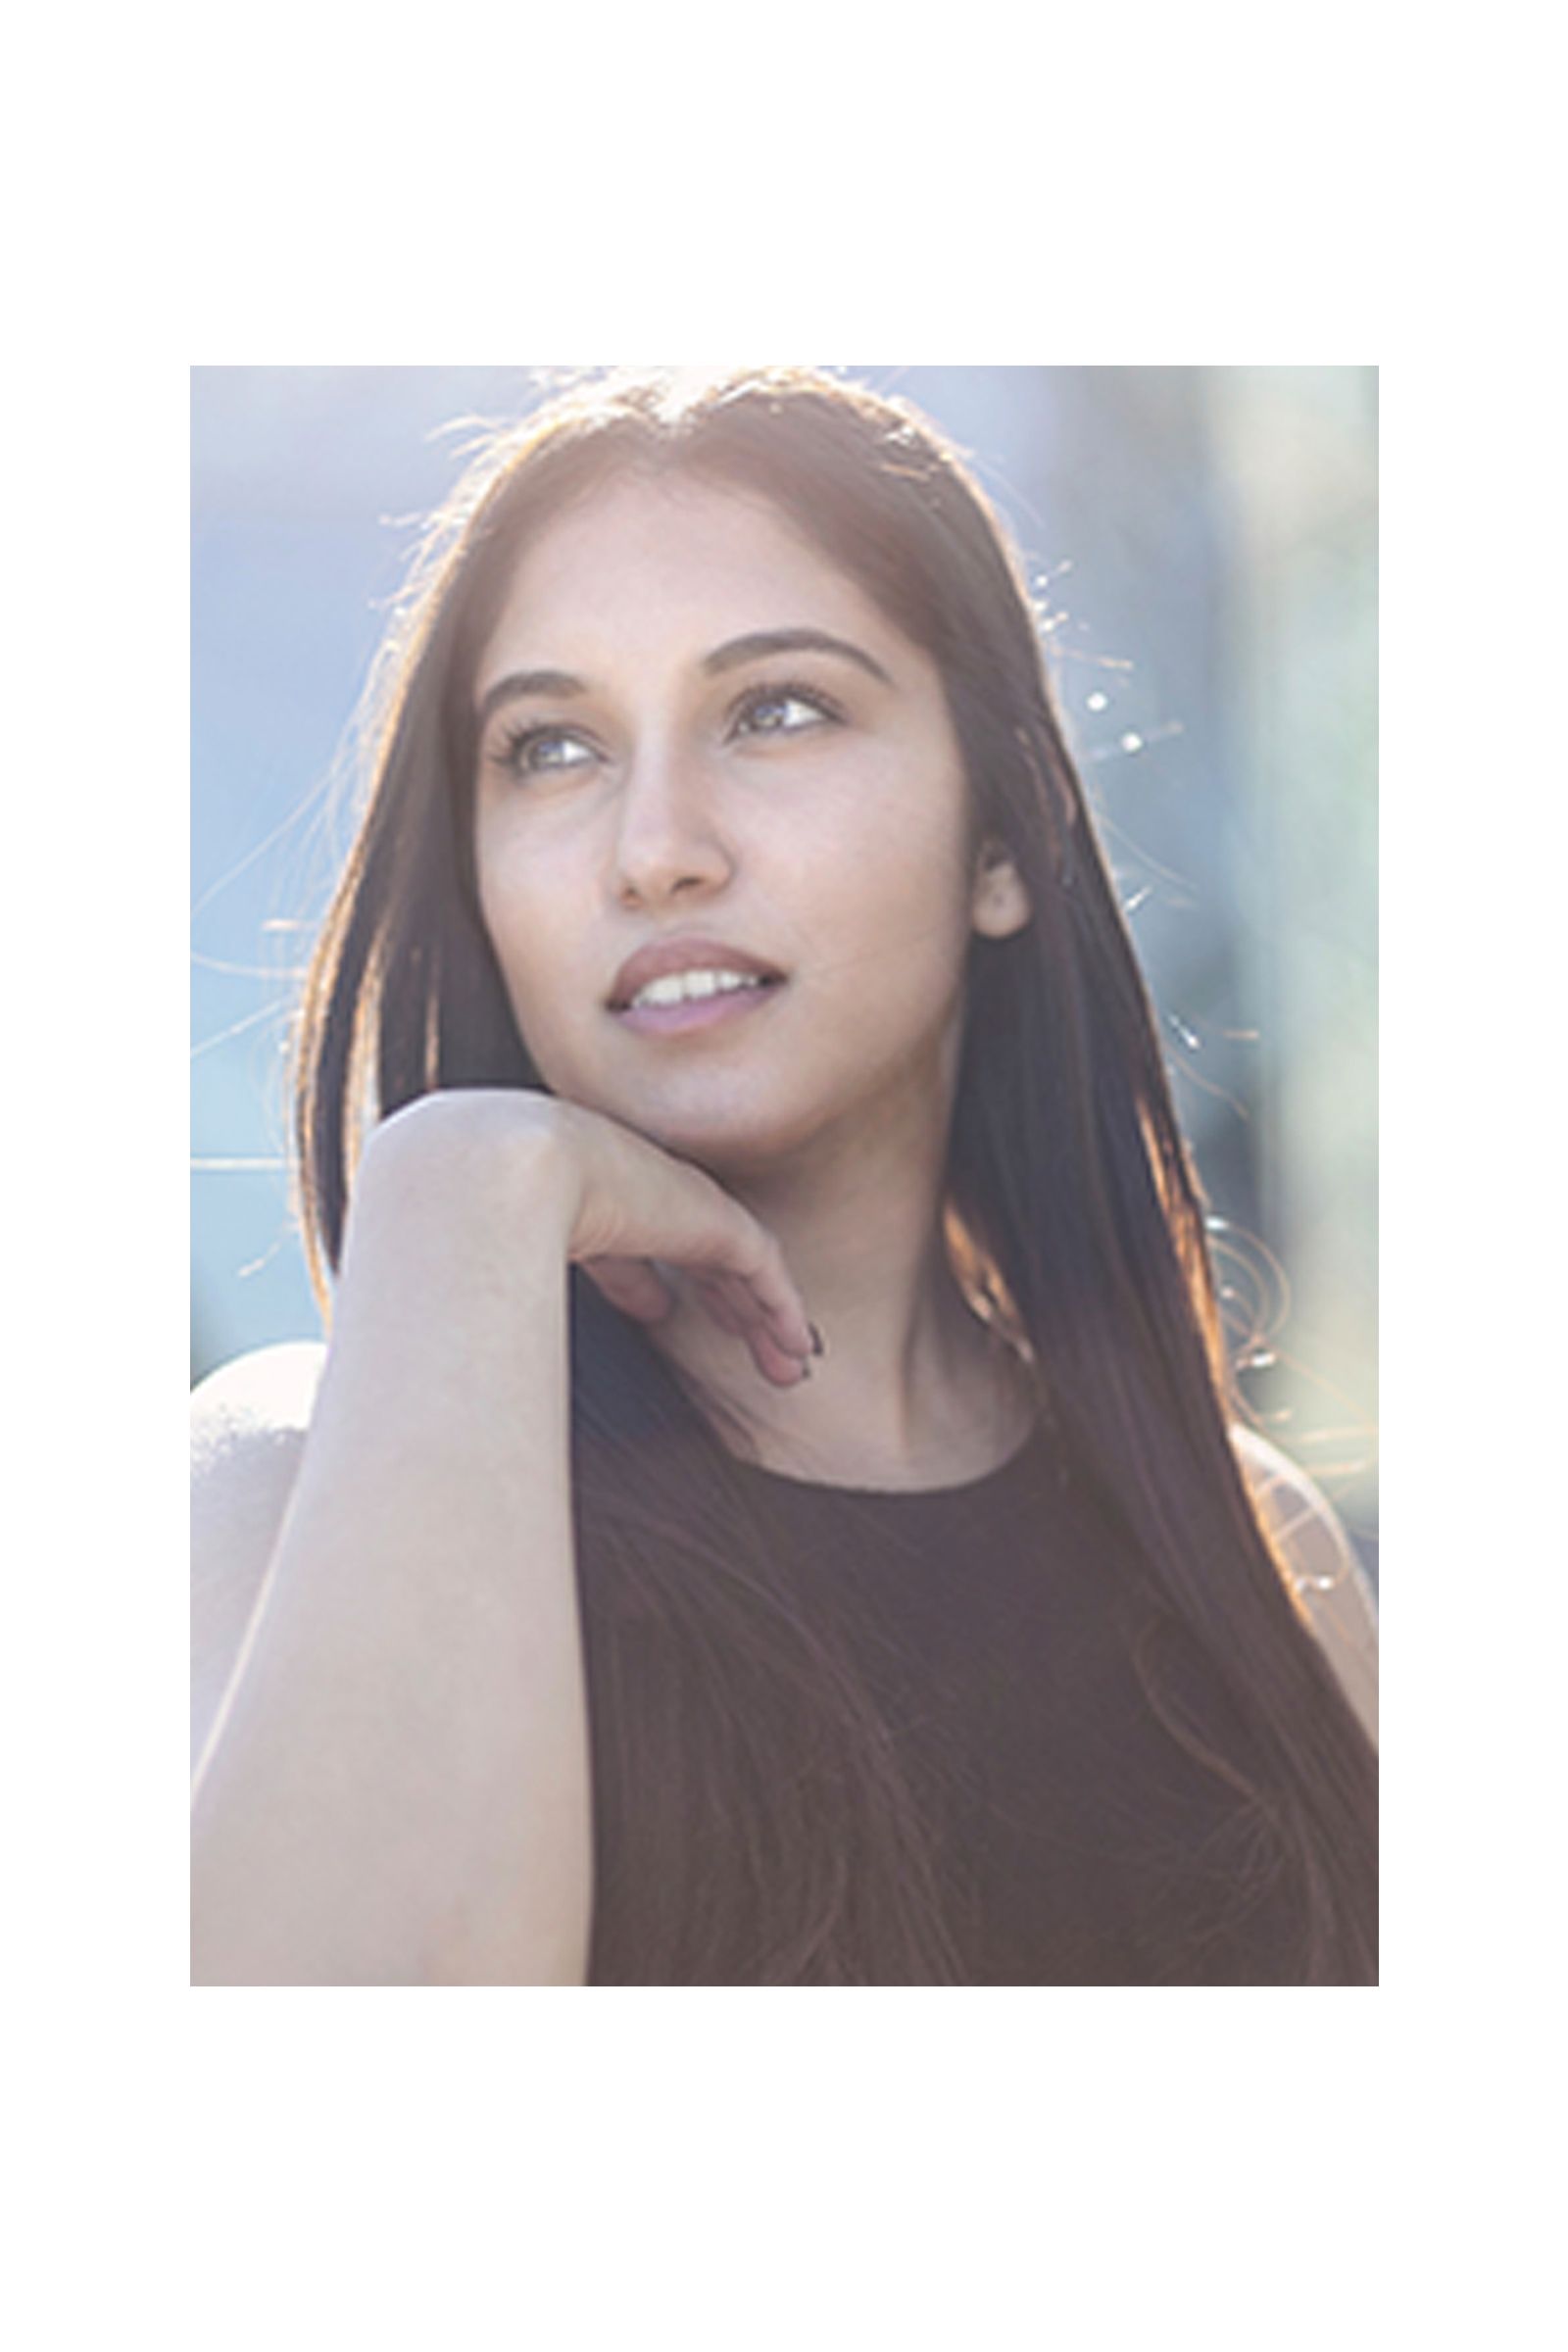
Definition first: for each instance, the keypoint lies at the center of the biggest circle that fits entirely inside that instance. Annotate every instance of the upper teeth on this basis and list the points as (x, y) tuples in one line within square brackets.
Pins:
[(677, 987)]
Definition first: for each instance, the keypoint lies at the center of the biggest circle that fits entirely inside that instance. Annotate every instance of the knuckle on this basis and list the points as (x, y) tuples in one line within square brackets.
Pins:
[(764, 1255)]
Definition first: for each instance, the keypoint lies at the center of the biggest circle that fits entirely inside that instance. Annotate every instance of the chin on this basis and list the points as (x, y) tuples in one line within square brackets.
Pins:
[(732, 1146), (729, 1137), (744, 1126)]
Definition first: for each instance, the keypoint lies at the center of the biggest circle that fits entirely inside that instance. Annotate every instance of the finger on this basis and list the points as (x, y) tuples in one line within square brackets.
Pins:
[(771, 1293), (780, 1366), (781, 1327), (631, 1285), (715, 1297)]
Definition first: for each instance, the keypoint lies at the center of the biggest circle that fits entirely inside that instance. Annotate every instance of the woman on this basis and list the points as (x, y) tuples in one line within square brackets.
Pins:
[(771, 1512)]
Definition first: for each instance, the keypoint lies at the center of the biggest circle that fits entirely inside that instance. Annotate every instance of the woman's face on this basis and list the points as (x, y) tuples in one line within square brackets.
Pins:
[(659, 768)]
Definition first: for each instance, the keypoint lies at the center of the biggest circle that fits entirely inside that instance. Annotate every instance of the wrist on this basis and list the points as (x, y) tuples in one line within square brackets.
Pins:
[(481, 1169)]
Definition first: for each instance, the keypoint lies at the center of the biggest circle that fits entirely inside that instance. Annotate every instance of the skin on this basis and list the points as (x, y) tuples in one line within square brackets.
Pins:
[(827, 836), (389, 1696)]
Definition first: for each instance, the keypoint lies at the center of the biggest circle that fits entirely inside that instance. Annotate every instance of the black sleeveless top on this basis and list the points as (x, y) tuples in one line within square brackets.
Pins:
[(1025, 1676)]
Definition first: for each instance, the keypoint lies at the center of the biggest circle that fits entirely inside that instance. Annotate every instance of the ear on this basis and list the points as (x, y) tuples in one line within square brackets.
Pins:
[(1000, 903)]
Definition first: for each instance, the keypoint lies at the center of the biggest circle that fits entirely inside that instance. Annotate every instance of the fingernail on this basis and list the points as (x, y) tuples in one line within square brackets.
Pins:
[(818, 1344), (806, 1371)]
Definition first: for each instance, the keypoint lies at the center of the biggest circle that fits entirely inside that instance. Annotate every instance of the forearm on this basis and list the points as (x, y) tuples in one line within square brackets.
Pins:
[(398, 1790)]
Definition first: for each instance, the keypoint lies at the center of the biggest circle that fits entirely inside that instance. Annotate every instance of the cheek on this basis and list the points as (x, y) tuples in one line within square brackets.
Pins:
[(520, 889), (528, 927), (916, 907)]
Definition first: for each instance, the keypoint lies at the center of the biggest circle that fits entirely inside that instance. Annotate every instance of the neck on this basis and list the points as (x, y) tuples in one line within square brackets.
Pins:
[(912, 1388)]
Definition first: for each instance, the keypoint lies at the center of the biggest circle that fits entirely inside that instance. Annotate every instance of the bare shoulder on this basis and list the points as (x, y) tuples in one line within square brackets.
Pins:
[(249, 1422), (1330, 1588), (272, 1388)]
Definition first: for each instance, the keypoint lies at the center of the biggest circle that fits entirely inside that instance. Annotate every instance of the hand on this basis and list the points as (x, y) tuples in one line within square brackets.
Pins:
[(639, 1207), (628, 1207)]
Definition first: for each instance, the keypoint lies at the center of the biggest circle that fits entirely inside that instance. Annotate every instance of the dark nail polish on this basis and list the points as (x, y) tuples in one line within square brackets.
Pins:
[(818, 1344)]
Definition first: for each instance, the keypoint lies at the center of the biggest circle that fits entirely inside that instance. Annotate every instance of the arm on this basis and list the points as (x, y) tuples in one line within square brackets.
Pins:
[(249, 1422), (1330, 1589), (396, 1790), (395, 1787)]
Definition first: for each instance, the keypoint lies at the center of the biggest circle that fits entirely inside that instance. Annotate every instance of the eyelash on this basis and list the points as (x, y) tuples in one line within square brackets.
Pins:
[(517, 742)]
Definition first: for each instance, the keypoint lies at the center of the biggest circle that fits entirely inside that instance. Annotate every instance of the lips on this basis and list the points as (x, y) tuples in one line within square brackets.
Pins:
[(686, 953)]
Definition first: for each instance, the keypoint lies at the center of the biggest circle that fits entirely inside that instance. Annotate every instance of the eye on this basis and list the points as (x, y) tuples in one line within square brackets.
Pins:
[(539, 749), (783, 709)]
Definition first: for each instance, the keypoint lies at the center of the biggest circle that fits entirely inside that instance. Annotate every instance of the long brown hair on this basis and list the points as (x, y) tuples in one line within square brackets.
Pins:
[(725, 1725)]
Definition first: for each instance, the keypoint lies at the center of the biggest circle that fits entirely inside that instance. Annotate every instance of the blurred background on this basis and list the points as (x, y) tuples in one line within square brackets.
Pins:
[(1202, 547)]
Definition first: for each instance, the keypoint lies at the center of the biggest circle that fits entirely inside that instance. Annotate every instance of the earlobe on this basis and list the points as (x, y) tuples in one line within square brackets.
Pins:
[(1000, 904)]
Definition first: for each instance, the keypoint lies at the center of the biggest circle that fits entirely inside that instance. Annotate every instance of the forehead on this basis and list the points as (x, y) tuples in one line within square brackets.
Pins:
[(674, 565)]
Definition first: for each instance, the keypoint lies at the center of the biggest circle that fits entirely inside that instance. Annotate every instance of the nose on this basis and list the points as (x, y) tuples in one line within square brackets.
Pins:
[(667, 838)]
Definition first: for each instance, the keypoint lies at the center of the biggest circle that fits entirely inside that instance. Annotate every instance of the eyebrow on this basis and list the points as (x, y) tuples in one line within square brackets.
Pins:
[(753, 647)]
